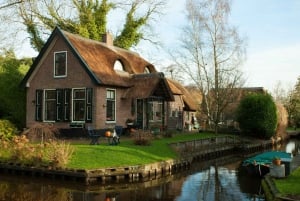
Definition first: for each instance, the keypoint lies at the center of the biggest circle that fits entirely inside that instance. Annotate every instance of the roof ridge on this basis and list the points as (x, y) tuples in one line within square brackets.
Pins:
[(111, 47)]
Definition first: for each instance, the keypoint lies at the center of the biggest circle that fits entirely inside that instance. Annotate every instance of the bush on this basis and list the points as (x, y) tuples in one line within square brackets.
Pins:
[(7, 130), (52, 153), (257, 115), (58, 153), (142, 137), (42, 132)]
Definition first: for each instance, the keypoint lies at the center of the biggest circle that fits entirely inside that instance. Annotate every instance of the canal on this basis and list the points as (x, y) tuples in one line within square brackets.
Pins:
[(214, 180)]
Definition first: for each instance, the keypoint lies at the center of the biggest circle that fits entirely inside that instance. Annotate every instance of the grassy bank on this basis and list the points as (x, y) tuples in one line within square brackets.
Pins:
[(126, 153), (290, 185)]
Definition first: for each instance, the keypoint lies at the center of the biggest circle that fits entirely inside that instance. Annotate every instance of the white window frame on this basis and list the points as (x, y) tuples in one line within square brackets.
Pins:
[(54, 66), (45, 106), (154, 109), (115, 100), (72, 103)]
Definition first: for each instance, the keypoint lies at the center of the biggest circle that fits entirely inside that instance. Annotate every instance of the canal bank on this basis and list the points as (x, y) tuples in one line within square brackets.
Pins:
[(189, 152), (268, 185), (270, 189)]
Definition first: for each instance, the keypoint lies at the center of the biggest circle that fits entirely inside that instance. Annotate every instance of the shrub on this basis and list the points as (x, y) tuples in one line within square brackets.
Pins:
[(42, 132), (168, 134), (52, 153), (142, 137), (7, 130), (58, 153), (257, 115)]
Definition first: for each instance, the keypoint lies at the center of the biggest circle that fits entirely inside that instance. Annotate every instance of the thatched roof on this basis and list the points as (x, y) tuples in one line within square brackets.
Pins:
[(188, 98), (100, 59), (149, 85)]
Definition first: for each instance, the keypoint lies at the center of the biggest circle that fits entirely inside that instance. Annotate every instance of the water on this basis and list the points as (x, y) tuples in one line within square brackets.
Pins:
[(217, 180)]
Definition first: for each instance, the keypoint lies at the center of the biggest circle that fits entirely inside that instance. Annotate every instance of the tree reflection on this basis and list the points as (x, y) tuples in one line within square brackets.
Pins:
[(25, 192), (216, 183)]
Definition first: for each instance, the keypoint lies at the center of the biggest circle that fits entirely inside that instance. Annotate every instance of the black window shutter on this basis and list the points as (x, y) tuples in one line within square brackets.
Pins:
[(89, 105), (67, 104), (39, 105), (59, 104)]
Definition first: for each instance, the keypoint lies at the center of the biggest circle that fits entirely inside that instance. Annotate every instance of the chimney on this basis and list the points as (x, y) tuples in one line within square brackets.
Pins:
[(108, 39)]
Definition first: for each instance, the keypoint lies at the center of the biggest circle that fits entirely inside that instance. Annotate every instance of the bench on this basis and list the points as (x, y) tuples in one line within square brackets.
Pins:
[(96, 134)]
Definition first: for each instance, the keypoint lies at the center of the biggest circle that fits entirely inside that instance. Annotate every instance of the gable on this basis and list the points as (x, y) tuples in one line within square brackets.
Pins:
[(149, 85), (188, 98), (96, 58)]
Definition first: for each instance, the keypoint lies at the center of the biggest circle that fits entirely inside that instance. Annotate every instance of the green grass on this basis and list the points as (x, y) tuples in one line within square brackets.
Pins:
[(126, 153), (292, 129), (289, 185)]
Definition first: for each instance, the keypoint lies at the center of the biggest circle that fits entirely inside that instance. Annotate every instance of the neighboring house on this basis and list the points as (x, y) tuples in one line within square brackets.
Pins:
[(227, 117), (76, 81), (183, 108), (229, 114), (231, 103)]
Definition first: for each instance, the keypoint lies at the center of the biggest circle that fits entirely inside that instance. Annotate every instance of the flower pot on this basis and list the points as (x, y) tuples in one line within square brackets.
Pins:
[(276, 162)]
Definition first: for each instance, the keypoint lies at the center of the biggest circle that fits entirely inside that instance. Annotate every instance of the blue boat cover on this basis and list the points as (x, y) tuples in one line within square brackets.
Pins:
[(267, 157)]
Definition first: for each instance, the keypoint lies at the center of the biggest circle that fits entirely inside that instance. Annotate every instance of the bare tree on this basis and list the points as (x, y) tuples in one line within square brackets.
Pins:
[(280, 92), (211, 55), (10, 3), (172, 71)]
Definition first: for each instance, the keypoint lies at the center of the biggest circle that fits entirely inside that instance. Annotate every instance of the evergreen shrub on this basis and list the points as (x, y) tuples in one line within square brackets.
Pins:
[(257, 115)]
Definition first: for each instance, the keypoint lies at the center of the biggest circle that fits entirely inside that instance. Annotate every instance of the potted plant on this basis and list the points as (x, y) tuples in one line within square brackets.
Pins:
[(129, 122), (276, 160)]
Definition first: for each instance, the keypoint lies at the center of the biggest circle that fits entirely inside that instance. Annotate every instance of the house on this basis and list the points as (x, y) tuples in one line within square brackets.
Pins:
[(76, 82), (228, 116)]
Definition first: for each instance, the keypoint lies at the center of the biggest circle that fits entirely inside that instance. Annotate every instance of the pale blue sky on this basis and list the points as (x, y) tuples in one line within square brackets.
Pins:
[(272, 28), (273, 31)]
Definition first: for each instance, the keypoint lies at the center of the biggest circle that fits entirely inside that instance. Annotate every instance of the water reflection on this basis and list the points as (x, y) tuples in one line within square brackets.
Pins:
[(219, 184), (293, 146), (207, 181), (212, 183)]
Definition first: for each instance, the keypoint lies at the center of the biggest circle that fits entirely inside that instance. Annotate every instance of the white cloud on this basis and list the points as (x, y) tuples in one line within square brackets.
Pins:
[(267, 67)]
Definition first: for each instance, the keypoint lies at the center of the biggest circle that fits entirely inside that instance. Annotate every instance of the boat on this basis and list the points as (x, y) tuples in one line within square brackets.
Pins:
[(260, 164)]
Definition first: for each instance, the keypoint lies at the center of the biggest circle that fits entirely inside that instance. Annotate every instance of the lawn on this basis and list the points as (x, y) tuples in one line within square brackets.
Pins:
[(126, 153), (289, 185)]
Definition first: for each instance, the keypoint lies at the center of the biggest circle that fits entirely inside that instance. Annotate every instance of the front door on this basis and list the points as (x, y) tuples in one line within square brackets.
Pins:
[(140, 113)]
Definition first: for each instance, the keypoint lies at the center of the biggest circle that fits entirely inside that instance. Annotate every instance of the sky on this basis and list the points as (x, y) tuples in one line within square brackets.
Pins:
[(271, 27), (272, 32)]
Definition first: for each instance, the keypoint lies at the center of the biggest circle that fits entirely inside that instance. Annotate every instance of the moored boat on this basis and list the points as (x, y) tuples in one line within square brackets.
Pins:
[(259, 165)]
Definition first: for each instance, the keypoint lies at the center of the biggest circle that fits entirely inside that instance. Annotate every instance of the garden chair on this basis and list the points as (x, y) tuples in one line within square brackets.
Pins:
[(93, 135)]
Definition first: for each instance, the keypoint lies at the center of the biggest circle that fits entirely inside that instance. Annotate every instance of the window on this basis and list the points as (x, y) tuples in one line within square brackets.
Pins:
[(110, 105), (155, 110), (146, 70), (174, 113), (60, 64), (78, 104), (118, 65), (55, 105), (50, 105)]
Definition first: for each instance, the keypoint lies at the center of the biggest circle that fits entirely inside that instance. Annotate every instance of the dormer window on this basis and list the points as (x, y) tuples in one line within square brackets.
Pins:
[(146, 70), (118, 65), (60, 64)]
